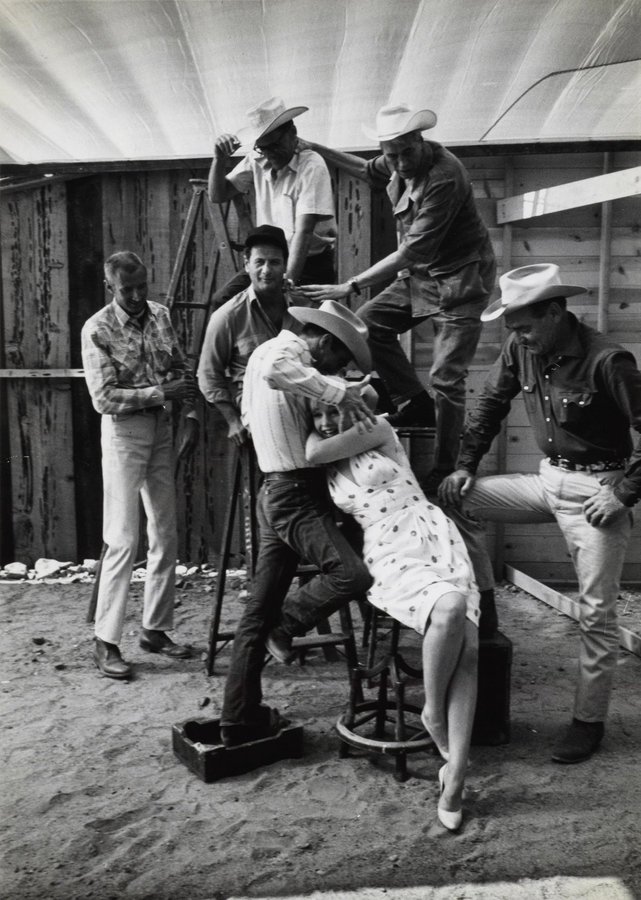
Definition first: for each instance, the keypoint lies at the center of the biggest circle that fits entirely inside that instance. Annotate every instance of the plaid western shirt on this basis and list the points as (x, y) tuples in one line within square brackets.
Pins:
[(126, 362)]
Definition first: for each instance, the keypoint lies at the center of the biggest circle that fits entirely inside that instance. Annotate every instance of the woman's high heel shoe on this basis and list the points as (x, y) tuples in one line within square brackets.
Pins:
[(451, 820)]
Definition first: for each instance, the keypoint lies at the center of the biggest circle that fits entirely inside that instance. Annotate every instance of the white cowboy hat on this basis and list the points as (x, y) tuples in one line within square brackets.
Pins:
[(396, 119), (266, 117), (527, 285), (343, 324)]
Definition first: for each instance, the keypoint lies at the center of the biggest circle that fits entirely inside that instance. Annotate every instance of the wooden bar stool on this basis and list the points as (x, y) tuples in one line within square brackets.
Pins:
[(397, 729)]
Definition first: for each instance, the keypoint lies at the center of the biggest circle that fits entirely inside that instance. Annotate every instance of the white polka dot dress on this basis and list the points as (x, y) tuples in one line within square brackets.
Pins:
[(413, 551)]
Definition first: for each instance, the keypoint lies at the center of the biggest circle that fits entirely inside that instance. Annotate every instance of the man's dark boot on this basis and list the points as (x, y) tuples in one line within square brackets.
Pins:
[(385, 403), (109, 661), (579, 742), (489, 620), (417, 413)]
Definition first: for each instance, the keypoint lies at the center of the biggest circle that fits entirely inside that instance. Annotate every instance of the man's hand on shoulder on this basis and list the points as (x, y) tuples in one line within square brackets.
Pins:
[(318, 293), (454, 487), (226, 144), (353, 410), (604, 508)]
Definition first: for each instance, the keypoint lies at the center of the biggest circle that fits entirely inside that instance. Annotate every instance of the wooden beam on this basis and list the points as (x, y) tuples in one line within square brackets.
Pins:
[(42, 373), (605, 256), (628, 639), (501, 441), (599, 189)]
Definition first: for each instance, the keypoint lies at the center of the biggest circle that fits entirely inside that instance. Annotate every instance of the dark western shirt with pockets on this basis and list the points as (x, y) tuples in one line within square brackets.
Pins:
[(581, 403)]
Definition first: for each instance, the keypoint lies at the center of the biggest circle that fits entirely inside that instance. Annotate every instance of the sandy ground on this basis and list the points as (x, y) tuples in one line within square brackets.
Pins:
[(95, 805)]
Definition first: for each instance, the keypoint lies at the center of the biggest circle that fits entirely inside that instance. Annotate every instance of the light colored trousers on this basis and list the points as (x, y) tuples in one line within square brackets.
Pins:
[(137, 461), (597, 554)]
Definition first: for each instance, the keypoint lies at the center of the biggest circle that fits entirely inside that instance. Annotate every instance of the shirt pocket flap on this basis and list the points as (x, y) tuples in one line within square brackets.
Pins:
[(576, 398), (572, 403)]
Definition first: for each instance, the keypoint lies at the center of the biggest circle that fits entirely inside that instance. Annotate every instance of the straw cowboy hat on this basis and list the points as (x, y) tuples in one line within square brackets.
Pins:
[(343, 324), (527, 285), (266, 117), (396, 119)]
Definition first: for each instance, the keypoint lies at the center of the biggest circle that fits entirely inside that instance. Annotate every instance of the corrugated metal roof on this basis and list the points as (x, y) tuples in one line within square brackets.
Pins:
[(159, 79)]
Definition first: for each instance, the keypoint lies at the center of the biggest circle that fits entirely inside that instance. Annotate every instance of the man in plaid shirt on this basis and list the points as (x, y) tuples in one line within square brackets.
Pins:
[(134, 368)]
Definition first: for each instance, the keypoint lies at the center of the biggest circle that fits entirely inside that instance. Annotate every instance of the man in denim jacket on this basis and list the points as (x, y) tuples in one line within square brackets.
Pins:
[(582, 395), (443, 270)]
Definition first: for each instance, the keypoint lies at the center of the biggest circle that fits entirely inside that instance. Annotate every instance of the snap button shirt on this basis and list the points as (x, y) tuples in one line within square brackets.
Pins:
[(581, 403)]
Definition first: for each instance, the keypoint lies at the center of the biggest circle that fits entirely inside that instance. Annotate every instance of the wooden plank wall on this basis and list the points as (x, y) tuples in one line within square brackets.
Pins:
[(49, 290), (36, 333), (54, 240)]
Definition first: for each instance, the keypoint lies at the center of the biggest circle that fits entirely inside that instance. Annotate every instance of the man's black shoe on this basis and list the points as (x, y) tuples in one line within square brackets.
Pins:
[(580, 741), (279, 645), (160, 642), (269, 724), (109, 661), (417, 413)]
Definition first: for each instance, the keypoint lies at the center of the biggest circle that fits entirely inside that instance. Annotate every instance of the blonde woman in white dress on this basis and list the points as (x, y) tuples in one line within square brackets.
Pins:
[(422, 577)]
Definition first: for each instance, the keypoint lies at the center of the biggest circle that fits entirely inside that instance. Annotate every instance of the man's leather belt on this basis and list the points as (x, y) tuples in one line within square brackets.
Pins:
[(146, 410), (588, 467), (293, 475)]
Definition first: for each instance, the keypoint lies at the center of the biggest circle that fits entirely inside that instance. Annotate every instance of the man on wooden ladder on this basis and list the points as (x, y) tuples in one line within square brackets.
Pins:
[(293, 191)]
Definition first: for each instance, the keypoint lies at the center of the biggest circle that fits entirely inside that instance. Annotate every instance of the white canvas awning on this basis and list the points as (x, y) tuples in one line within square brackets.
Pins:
[(93, 80)]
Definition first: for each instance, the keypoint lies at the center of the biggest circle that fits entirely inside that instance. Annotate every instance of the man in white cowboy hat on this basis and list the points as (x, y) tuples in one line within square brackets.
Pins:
[(292, 186), (443, 270), (295, 515), (582, 395)]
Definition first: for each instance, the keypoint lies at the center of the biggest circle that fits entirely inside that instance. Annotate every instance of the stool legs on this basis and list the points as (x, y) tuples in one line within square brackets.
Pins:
[(365, 722)]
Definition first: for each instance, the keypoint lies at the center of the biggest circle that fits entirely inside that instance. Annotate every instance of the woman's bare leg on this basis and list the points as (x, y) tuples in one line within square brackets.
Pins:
[(442, 644), (461, 705)]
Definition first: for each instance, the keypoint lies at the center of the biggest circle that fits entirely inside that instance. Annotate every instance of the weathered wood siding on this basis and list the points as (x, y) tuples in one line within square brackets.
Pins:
[(54, 239), (36, 333)]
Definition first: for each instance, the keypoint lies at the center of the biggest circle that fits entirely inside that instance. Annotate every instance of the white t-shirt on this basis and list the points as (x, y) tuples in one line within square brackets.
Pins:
[(302, 187)]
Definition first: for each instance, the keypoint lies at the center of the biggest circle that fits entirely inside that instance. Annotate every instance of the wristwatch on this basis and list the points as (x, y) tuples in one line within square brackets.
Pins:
[(353, 283)]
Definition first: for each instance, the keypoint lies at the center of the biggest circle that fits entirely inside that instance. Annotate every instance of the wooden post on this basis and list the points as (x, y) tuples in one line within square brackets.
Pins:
[(501, 441), (6, 524), (605, 255), (86, 296)]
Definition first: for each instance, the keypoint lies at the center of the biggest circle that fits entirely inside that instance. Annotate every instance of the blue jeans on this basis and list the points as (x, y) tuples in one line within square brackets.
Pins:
[(456, 336), (597, 554), (296, 523)]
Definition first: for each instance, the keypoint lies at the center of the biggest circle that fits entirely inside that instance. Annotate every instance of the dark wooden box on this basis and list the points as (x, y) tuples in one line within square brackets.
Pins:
[(492, 717), (197, 744)]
